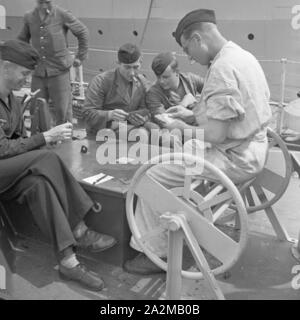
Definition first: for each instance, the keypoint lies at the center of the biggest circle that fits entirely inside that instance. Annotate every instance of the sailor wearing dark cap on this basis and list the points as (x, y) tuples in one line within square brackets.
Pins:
[(38, 179), (233, 111), (20, 53), (117, 95), (194, 17), (172, 86)]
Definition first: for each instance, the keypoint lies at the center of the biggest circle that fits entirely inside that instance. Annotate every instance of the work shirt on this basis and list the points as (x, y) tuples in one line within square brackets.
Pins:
[(159, 100), (13, 137), (108, 91), (49, 38), (236, 90)]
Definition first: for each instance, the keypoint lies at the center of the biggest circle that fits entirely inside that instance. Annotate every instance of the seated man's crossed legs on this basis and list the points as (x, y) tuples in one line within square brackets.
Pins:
[(58, 205)]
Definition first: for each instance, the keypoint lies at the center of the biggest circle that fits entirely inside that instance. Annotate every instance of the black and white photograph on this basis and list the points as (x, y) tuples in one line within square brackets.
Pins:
[(149, 154)]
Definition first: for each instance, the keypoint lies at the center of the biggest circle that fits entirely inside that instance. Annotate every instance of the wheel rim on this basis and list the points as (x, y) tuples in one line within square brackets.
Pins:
[(275, 183), (202, 219)]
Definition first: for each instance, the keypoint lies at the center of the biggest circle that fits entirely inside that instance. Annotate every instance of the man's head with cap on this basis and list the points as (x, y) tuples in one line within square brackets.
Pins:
[(165, 67), (44, 5), (197, 33), (20, 53), (129, 58), (191, 18), (17, 58)]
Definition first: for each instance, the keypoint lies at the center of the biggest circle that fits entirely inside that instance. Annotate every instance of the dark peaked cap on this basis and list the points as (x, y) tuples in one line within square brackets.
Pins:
[(128, 53), (19, 52), (162, 61), (199, 15)]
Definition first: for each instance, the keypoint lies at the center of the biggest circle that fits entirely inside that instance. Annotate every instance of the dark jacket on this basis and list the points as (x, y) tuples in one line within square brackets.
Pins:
[(49, 38), (108, 91), (13, 138), (158, 100)]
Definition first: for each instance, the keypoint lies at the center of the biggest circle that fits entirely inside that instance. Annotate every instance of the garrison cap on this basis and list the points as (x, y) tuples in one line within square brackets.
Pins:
[(19, 52), (199, 15), (162, 61), (128, 53)]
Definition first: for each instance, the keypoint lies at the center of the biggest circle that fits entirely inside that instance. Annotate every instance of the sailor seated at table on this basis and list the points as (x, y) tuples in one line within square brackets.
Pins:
[(117, 95), (39, 179), (233, 111), (172, 88)]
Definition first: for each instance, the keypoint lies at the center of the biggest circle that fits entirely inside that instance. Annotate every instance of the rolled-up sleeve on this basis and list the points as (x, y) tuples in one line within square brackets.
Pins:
[(223, 98)]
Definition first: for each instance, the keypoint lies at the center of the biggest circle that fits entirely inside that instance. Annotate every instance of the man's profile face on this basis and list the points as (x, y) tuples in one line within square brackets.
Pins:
[(168, 80), (130, 71), (195, 49), (16, 76)]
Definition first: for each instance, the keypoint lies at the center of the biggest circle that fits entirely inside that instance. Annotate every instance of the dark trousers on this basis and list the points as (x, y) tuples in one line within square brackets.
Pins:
[(58, 89), (56, 200)]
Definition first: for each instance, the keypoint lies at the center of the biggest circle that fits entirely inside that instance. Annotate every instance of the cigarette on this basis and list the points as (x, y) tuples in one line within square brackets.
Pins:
[(31, 95)]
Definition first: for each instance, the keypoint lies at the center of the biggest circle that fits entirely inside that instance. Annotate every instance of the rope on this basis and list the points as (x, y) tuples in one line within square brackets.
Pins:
[(146, 23)]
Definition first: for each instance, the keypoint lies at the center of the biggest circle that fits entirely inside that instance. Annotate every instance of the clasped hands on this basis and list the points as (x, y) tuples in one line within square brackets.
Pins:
[(180, 114)]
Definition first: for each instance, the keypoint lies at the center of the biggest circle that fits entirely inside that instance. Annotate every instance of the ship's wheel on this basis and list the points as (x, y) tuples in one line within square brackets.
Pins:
[(202, 209)]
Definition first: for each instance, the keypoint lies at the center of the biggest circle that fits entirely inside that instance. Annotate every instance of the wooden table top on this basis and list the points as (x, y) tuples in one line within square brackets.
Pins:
[(84, 165)]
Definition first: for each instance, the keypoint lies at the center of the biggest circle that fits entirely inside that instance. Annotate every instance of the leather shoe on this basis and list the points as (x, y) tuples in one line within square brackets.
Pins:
[(95, 241), (80, 274), (142, 265)]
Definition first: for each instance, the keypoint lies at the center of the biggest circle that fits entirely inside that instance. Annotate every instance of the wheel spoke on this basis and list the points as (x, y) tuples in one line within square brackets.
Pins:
[(213, 192), (249, 197), (218, 199), (217, 214), (187, 186), (270, 180)]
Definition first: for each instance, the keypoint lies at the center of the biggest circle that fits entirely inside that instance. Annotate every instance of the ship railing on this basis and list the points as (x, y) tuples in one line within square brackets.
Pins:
[(277, 106)]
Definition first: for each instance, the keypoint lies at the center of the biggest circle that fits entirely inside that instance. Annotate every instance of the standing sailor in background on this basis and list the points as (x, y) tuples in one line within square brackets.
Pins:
[(233, 110), (47, 26), (171, 88), (117, 95), (39, 178)]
